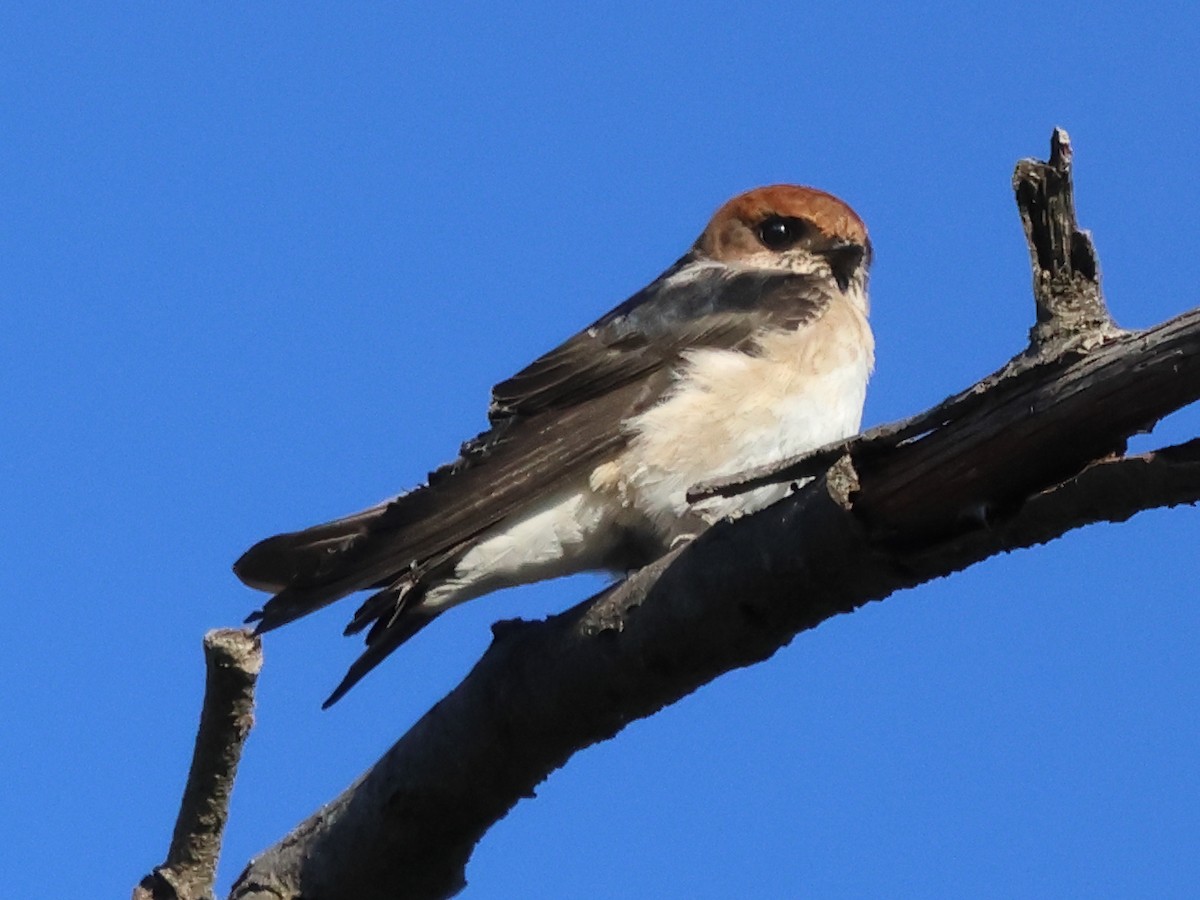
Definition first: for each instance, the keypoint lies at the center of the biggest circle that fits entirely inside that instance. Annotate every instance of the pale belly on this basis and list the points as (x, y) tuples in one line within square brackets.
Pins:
[(728, 412), (733, 412)]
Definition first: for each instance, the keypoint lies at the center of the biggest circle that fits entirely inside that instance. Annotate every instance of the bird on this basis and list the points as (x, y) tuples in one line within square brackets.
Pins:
[(753, 347)]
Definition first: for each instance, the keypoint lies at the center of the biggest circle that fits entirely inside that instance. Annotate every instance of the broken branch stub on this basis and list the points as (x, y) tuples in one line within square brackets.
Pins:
[(1071, 312)]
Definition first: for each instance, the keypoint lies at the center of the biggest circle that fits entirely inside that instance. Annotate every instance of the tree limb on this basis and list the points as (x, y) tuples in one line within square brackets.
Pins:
[(1016, 460), (233, 659)]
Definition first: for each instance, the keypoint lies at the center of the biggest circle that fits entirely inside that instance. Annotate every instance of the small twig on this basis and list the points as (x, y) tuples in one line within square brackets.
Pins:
[(815, 462), (794, 468), (233, 660)]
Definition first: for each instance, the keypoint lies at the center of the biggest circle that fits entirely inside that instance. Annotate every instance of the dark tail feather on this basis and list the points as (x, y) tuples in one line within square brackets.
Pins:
[(310, 569), (380, 643), (291, 604), (383, 607), (304, 557)]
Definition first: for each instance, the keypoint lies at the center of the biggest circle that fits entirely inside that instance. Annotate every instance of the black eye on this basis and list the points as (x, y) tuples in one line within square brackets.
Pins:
[(781, 232)]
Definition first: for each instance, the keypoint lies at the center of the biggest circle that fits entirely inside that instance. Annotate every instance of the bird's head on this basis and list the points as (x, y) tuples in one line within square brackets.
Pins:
[(790, 228)]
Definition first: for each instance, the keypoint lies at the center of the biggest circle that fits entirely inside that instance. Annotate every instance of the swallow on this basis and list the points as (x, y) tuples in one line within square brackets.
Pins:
[(753, 347)]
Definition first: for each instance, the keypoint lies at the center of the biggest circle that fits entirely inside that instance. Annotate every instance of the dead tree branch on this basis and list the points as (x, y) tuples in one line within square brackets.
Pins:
[(1016, 460), (233, 658)]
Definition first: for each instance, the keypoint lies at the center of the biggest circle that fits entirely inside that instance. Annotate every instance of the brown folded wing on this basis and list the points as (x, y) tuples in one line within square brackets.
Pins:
[(551, 423)]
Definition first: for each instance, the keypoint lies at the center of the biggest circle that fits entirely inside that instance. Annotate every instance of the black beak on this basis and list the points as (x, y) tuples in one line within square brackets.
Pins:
[(845, 259)]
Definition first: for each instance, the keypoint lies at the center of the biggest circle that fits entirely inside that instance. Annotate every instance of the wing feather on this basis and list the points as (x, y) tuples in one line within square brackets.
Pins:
[(713, 308), (551, 422)]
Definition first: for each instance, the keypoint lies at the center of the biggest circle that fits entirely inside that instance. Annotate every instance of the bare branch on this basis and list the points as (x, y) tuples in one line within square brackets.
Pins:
[(233, 659), (1015, 472), (1018, 459), (1112, 490)]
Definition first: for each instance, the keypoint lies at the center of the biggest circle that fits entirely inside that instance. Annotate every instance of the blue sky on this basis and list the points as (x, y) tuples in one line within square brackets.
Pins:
[(260, 266)]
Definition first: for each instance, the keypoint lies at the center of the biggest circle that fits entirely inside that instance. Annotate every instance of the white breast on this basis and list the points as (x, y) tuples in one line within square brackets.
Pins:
[(728, 411), (731, 411), (563, 533)]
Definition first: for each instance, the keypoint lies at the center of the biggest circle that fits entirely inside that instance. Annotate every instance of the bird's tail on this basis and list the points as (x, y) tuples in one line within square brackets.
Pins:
[(310, 569), (395, 614), (305, 557)]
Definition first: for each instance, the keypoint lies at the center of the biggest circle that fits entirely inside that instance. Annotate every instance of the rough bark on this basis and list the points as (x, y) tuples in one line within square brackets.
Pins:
[(233, 660), (1018, 459), (545, 690)]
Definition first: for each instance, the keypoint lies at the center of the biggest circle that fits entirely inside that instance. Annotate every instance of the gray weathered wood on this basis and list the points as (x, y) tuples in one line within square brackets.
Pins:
[(1016, 460), (233, 659)]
